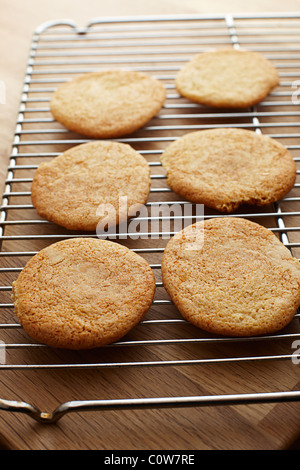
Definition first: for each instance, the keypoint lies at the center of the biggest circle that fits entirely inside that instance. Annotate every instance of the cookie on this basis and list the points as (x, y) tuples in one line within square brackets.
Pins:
[(83, 293), (107, 104), (224, 168), (100, 180), (227, 78), (232, 277)]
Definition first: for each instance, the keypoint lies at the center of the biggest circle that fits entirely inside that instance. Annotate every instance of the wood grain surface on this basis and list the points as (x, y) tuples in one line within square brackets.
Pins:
[(255, 426)]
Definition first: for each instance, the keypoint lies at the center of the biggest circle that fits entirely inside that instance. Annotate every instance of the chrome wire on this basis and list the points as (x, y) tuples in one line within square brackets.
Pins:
[(159, 45)]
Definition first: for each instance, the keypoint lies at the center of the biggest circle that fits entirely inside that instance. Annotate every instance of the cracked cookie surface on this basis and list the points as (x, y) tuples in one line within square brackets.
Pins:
[(224, 168), (91, 186), (227, 78), (232, 277), (83, 293), (107, 104)]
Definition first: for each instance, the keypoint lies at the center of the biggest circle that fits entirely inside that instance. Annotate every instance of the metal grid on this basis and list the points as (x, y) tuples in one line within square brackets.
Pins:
[(158, 46)]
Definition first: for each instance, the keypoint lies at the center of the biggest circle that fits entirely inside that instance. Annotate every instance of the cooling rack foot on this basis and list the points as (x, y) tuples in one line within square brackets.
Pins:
[(147, 403)]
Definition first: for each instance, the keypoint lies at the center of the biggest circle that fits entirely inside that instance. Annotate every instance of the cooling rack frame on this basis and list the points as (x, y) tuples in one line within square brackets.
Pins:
[(199, 33)]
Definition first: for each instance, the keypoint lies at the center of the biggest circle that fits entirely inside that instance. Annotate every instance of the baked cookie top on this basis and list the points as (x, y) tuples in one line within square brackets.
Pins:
[(227, 78), (100, 180), (224, 168), (233, 277), (83, 293), (107, 104)]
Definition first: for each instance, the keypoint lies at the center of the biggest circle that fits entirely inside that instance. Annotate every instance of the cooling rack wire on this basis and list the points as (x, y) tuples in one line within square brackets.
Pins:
[(158, 45)]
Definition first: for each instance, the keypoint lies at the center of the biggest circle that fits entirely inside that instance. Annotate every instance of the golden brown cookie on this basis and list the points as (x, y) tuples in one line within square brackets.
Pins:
[(230, 276), (83, 293), (100, 179), (227, 78), (107, 104), (224, 168)]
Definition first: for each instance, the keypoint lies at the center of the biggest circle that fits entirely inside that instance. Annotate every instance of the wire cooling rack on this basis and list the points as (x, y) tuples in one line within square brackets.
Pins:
[(160, 46)]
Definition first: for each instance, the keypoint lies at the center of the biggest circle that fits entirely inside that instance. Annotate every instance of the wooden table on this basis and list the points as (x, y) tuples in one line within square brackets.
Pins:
[(255, 426)]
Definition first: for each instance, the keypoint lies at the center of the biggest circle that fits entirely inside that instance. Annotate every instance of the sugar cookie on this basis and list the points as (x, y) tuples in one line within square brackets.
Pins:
[(107, 104), (227, 78), (224, 168), (83, 293), (241, 281), (71, 189)]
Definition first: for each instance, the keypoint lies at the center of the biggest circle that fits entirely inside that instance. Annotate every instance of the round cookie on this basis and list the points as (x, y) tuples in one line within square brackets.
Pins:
[(83, 293), (227, 78), (107, 104), (89, 182), (224, 168), (232, 277)]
